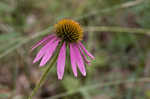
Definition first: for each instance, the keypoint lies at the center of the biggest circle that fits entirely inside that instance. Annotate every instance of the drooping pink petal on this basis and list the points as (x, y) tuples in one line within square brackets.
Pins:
[(50, 50), (43, 50), (79, 60), (42, 41), (89, 54), (61, 61), (72, 58), (84, 57)]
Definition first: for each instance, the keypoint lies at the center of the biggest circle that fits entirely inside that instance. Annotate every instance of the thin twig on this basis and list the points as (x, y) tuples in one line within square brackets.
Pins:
[(25, 40), (99, 85), (117, 29), (121, 6)]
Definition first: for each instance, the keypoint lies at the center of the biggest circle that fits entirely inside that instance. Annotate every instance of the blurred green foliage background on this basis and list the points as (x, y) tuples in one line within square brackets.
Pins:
[(122, 66)]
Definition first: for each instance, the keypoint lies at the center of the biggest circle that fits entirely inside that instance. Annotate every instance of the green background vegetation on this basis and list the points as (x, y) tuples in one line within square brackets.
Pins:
[(117, 32)]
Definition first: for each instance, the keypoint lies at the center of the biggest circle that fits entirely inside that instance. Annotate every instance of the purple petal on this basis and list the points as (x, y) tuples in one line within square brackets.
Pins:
[(79, 60), (42, 41), (61, 62), (43, 50), (72, 57), (89, 54), (84, 57), (51, 48)]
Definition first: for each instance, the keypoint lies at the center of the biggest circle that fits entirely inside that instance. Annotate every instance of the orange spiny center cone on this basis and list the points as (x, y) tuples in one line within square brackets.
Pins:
[(69, 30)]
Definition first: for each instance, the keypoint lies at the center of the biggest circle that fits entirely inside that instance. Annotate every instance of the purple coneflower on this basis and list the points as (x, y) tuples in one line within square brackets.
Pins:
[(70, 34)]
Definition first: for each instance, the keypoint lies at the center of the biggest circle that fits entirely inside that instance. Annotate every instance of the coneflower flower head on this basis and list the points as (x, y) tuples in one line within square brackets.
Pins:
[(70, 34)]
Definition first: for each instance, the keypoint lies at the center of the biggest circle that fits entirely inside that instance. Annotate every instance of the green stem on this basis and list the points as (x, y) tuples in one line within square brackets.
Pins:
[(45, 74), (42, 78)]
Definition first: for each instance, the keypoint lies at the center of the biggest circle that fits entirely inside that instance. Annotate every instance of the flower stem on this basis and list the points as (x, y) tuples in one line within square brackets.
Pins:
[(45, 74)]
